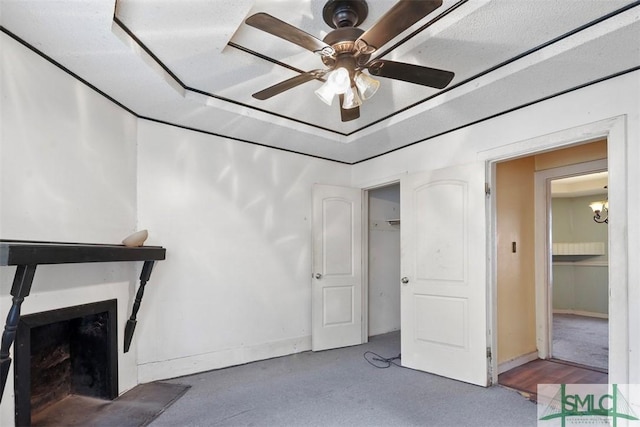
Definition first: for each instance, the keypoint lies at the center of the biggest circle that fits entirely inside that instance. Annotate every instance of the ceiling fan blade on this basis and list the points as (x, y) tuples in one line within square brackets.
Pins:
[(401, 16), (348, 114), (278, 28), (288, 84), (417, 74)]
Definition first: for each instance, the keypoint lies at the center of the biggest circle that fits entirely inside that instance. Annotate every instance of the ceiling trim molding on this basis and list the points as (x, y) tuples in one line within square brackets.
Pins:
[(421, 29), (266, 58), (507, 62), (138, 116), (148, 51), (233, 138), (572, 32), (130, 111), (510, 110), (66, 70), (387, 51), (186, 88)]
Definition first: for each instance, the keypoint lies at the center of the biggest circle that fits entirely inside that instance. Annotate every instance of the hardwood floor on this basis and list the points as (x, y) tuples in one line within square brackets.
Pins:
[(526, 378)]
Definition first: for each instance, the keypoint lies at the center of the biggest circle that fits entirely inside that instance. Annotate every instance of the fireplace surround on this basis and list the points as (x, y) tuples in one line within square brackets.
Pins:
[(27, 255), (68, 351)]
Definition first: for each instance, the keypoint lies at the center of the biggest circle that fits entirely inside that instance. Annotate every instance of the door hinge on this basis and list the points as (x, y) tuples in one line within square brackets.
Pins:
[(487, 189), (489, 353)]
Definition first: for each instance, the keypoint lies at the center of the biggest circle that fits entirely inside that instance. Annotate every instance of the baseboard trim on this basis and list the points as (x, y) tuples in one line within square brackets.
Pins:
[(172, 368), (514, 363), (581, 313)]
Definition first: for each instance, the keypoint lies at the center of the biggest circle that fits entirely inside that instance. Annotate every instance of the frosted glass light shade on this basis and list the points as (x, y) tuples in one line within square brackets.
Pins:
[(351, 99), (367, 85), (597, 207), (326, 93), (339, 79)]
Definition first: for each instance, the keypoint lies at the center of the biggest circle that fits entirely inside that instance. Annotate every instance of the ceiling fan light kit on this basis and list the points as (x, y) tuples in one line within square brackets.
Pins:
[(338, 82), (351, 99), (367, 85), (346, 51), (340, 79), (326, 93)]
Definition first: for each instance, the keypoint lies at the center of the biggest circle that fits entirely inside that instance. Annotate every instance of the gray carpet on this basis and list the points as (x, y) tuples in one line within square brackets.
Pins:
[(581, 339), (340, 388)]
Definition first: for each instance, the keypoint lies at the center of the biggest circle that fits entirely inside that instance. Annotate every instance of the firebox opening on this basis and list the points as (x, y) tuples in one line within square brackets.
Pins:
[(70, 351)]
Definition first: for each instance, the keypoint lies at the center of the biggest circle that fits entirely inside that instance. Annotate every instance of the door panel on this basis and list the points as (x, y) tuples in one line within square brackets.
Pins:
[(444, 299), (432, 311), (337, 246), (440, 241), (338, 305), (337, 267)]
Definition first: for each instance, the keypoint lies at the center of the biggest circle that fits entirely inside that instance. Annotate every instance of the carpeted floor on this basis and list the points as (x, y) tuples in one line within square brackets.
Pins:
[(581, 339), (340, 388)]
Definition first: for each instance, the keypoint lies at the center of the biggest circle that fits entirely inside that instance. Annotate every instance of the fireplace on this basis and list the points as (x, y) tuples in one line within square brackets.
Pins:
[(64, 352)]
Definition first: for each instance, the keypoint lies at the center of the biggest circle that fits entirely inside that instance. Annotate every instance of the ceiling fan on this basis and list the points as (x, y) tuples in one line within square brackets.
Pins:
[(346, 52)]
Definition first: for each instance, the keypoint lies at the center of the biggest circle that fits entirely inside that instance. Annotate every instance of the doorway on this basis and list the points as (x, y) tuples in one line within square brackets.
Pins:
[(579, 330), (443, 268), (524, 260), (384, 260)]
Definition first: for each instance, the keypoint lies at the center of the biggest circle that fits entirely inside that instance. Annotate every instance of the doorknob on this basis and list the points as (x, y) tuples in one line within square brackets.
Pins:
[(318, 276), (404, 280)]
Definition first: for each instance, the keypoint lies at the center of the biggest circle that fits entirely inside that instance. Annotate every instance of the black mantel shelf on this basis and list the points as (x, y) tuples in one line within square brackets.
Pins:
[(16, 252), (27, 255)]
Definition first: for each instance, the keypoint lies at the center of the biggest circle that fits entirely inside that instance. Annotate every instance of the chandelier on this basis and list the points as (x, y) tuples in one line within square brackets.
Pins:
[(600, 210)]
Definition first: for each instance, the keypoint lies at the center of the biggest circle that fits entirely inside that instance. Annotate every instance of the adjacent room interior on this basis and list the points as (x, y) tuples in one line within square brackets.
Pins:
[(568, 325), (384, 260), (580, 297)]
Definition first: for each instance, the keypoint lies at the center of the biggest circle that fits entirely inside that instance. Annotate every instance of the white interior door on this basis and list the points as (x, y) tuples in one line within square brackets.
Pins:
[(444, 284), (336, 307)]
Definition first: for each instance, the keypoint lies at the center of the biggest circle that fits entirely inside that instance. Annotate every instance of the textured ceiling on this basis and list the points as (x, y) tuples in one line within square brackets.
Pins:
[(195, 64)]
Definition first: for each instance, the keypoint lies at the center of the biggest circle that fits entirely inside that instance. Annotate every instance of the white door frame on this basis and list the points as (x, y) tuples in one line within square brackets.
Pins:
[(543, 248), (614, 130)]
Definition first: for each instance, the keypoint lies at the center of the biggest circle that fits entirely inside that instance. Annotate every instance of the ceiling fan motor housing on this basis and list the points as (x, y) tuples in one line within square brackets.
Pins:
[(342, 40), (345, 13)]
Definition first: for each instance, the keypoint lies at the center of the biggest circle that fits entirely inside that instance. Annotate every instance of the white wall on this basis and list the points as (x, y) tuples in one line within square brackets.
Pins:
[(604, 100), (67, 173), (235, 219), (384, 260), (577, 109)]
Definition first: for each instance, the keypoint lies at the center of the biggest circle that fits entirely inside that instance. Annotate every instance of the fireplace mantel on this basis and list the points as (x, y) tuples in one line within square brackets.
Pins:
[(27, 255), (21, 252)]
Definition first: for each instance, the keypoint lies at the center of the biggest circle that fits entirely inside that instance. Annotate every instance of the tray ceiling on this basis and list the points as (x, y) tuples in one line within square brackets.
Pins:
[(195, 64)]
